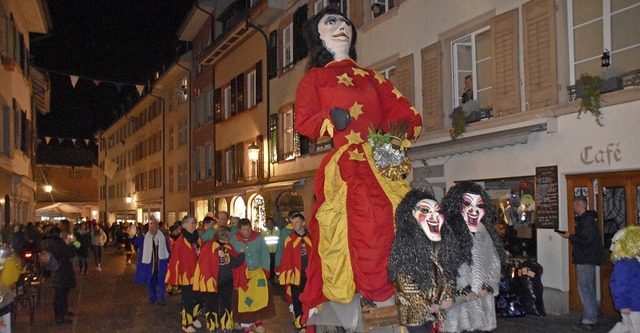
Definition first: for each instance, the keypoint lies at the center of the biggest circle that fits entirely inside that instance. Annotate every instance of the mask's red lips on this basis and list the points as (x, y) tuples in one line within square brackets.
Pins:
[(342, 34)]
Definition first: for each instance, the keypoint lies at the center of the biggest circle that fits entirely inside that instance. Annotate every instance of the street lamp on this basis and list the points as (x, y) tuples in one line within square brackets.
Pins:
[(48, 188), (128, 198), (254, 152)]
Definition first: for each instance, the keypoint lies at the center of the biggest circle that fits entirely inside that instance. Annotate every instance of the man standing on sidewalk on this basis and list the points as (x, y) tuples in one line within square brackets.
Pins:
[(151, 270), (588, 252)]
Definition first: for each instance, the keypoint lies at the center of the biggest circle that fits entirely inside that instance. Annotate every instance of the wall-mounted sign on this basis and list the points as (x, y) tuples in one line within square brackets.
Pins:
[(604, 155), (547, 197)]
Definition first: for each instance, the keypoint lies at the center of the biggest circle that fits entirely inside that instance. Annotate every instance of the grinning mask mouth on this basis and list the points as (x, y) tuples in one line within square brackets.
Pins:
[(427, 214), (473, 210)]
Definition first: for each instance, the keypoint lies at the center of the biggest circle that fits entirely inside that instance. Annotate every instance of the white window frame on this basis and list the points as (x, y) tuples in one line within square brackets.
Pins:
[(251, 89), (288, 135), (387, 72), (607, 36), (183, 90), (287, 46), (458, 72)]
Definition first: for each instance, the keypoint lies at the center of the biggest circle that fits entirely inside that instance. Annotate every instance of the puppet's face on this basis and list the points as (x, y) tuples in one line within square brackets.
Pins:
[(427, 214), (472, 210), (336, 35)]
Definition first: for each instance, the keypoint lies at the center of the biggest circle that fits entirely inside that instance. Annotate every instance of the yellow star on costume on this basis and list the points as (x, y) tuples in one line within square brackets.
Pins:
[(354, 138), (345, 79), (415, 111), (328, 127), (417, 130), (397, 92), (356, 110), (359, 71), (356, 156), (380, 77)]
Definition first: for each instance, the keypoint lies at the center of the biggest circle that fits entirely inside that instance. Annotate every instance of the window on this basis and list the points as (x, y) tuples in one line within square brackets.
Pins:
[(171, 179), (208, 161), (6, 131), (182, 132), (596, 26), (74, 174), (183, 172), (229, 157), (388, 72), (319, 5), (290, 139), (171, 138), (227, 102), (272, 60), (251, 89), (196, 163), (183, 90), (197, 111), (383, 5), (471, 58), (208, 110), (287, 46)]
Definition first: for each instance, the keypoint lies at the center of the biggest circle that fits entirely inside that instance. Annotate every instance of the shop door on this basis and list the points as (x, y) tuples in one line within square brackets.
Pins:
[(615, 196)]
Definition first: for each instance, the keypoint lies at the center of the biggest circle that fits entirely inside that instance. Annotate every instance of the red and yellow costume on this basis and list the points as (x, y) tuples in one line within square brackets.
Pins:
[(352, 221), (291, 265), (181, 269), (220, 271)]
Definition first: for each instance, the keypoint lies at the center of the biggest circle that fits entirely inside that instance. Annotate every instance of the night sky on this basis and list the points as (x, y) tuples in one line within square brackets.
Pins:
[(120, 42)]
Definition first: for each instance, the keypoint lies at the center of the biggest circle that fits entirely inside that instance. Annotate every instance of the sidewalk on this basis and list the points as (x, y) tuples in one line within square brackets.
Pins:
[(109, 301)]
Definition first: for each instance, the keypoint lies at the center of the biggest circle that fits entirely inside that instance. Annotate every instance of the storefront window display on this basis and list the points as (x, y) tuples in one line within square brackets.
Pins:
[(514, 201)]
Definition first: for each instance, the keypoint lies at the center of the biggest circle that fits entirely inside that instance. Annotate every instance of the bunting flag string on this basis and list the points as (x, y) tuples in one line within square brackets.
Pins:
[(96, 81), (74, 141)]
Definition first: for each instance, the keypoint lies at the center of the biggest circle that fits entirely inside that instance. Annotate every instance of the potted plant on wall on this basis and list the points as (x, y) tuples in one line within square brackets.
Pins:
[(588, 91)]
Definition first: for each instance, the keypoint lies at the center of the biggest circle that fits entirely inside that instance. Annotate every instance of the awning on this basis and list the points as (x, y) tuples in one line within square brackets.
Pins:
[(474, 143), (275, 186)]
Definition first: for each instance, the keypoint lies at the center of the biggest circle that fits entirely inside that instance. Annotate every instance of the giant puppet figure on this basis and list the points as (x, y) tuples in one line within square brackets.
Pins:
[(423, 262), (352, 216), (469, 212)]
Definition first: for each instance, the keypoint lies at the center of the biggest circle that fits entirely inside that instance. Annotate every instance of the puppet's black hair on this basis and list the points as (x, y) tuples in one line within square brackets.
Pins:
[(411, 249), (451, 204), (318, 54)]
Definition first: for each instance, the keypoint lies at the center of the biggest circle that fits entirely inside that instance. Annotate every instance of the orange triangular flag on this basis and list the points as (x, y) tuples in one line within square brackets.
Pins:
[(47, 139), (140, 88), (74, 80), (96, 82), (74, 141), (86, 142)]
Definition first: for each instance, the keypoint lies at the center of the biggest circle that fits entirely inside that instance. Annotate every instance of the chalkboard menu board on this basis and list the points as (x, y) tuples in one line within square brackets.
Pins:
[(547, 197)]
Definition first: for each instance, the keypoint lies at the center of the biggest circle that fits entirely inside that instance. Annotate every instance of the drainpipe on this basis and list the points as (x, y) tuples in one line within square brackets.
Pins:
[(249, 24), (190, 97)]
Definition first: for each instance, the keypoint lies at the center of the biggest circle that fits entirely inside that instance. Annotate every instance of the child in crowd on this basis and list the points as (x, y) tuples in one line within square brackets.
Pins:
[(625, 278), (293, 266)]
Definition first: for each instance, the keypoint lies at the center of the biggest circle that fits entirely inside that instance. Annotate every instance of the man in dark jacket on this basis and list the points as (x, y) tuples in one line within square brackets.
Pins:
[(64, 278), (588, 252)]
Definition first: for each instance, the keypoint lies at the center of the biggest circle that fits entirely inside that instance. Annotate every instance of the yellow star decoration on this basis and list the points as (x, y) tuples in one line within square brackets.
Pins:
[(417, 130), (356, 156), (359, 71), (328, 127), (415, 111), (345, 79), (356, 110), (354, 138), (380, 78), (397, 92)]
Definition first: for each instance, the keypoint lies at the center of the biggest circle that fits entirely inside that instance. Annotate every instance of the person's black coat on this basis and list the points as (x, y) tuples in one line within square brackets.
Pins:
[(586, 241), (64, 276), (85, 243)]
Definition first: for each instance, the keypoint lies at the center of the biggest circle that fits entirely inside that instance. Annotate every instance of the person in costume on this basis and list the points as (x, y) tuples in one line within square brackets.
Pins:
[(625, 278), (468, 210), (423, 262), (284, 232), (353, 213), (151, 269), (220, 271), (254, 304), (181, 271), (293, 268)]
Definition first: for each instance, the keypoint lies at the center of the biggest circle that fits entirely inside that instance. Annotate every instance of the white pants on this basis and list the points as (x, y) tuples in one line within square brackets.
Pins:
[(630, 323)]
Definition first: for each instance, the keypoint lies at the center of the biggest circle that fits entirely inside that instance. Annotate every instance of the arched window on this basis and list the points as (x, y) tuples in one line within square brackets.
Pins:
[(257, 212), (222, 205), (239, 207)]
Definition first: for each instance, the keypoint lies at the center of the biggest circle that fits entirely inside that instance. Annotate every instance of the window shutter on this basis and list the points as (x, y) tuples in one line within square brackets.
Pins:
[(505, 84), (260, 164), (218, 166), (272, 60), (299, 45), (273, 138), (432, 116), (539, 37), (217, 104), (234, 94), (403, 78), (239, 161), (356, 15), (240, 93), (259, 82)]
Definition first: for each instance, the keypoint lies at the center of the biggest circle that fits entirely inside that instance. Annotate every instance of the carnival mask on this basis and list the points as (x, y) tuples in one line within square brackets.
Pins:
[(427, 214), (336, 35), (472, 210)]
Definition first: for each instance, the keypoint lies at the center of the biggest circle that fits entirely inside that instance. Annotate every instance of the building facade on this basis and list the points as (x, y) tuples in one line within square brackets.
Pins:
[(511, 69), (23, 92)]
